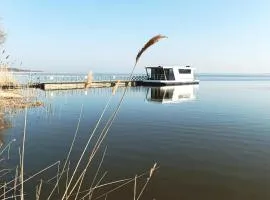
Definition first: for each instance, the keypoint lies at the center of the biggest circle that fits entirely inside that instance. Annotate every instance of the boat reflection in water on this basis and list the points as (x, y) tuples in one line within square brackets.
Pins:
[(172, 94)]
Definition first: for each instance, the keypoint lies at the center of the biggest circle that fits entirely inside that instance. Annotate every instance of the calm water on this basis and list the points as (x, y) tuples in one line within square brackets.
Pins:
[(210, 142)]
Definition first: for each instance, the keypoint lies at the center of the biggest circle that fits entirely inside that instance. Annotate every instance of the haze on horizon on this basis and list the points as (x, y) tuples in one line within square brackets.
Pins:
[(78, 36)]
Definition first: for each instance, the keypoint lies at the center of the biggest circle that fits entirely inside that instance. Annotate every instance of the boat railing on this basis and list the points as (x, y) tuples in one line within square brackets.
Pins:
[(157, 77)]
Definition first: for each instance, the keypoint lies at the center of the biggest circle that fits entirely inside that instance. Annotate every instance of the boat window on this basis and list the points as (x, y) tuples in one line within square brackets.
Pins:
[(169, 74), (184, 71), (157, 74)]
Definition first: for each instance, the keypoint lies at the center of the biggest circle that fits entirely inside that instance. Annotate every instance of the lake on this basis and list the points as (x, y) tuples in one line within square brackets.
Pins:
[(210, 141)]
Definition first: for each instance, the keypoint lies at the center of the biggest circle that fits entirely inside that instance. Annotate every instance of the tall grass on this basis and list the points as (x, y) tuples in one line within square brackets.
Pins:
[(7, 79), (10, 97), (72, 180)]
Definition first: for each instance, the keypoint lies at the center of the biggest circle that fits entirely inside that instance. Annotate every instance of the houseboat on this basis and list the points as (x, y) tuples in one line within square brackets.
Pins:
[(171, 94), (170, 75)]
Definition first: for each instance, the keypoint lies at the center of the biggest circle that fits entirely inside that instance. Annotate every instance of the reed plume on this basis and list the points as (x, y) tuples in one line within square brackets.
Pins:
[(89, 79), (2, 37), (152, 41)]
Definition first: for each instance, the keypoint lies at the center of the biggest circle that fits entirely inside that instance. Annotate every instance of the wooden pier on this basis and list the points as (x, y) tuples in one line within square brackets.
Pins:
[(73, 81), (82, 85)]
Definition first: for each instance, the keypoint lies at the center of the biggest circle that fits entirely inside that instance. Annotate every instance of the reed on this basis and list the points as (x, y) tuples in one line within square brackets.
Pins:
[(89, 79), (105, 130), (73, 181), (6, 77), (22, 158), (150, 42), (2, 36)]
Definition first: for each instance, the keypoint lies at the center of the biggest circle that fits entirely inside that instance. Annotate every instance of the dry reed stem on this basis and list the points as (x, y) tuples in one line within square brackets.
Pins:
[(78, 181), (99, 181), (89, 161), (8, 151), (148, 179), (127, 181), (135, 187), (87, 144), (96, 174), (12, 197), (57, 176), (32, 176), (94, 151), (15, 182), (91, 190), (102, 159), (4, 175), (78, 190), (115, 87), (39, 190), (6, 147), (67, 177), (22, 161), (51, 179), (69, 152), (110, 121), (120, 186), (2, 170), (5, 190)]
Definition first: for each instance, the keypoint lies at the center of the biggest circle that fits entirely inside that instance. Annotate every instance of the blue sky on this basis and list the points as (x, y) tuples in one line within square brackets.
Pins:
[(105, 36)]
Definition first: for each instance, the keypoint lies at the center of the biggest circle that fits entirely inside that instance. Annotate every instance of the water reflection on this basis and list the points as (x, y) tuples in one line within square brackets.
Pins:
[(54, 93), (4, 124), (104, 91), (172, 94)]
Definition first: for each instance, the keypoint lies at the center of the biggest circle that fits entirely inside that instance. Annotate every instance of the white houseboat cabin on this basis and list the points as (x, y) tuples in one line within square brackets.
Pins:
[(170, 75)]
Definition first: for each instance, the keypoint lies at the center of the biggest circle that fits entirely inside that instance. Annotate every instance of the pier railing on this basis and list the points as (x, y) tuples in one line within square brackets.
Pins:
[(36, 78)]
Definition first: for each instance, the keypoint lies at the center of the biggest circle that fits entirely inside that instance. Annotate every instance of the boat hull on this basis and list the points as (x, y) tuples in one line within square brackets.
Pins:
[(165, 83)]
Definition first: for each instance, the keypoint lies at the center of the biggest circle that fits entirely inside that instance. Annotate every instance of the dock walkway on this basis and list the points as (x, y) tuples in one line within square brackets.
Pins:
[(67, 81)]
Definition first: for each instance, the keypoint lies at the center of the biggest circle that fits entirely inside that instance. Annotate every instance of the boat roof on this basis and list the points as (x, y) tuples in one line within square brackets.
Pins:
[(172, 66)]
